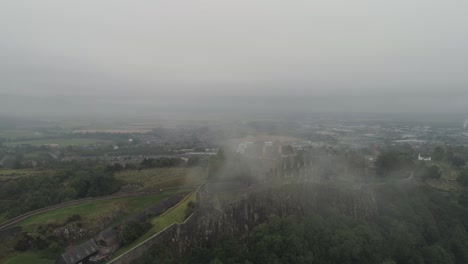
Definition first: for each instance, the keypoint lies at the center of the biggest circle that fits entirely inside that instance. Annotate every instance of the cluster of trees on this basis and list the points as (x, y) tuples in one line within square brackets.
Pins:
[(399, 163), (463, 177), (456, 156), (161, 163), (28, 242), (393, 162), (132, 230), (396, 161), (44, 239), (422, 226), (30, 193), (230, 166)]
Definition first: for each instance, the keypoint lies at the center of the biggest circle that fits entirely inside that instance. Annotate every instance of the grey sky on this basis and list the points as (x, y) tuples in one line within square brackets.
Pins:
[(237, 47)]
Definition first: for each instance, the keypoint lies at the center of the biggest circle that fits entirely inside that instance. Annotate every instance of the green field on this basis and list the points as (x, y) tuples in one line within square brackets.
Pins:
[(62, 142), (14, 134), (161, 178), (7, 174), (3, 218), (29, 258), (93, 210), (175, 214)]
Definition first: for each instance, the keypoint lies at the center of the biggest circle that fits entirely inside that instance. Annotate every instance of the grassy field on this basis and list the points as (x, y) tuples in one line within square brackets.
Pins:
[(175, 214), (7, 174), (62, 142), (112, 131), (90, 212), (29, 258), (14, 134), (93, 210), (2, 218), (162, 178)]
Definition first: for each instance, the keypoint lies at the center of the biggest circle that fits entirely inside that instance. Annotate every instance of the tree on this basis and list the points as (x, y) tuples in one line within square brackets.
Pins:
[(463, 198), (438, 154), (437, 255), (432, 172), (463, 177), (387, 162), (458, 161), (132, 230)]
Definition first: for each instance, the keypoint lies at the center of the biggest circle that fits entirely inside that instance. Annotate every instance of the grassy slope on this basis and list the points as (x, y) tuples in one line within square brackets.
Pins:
[(173, 215), (29, 258), (13, 174), (92, 210)]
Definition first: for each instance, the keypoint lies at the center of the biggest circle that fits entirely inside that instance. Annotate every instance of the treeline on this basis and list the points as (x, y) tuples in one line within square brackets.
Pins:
[(29, 193), (422, 226), (400, 162), (161, 163), (166, 162)]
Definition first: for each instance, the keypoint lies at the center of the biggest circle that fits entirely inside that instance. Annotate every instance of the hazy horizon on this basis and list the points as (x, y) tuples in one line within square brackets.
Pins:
[(341, 56)]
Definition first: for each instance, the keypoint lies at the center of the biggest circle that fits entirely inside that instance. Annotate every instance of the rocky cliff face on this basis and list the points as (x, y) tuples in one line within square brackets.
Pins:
[(216, 217), (238, 218)]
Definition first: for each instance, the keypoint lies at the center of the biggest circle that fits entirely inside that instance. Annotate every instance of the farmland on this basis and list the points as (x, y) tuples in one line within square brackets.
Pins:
[(112, 131), (94, 210), (17, 134), (62, 142), (29, 258), (8, 174)]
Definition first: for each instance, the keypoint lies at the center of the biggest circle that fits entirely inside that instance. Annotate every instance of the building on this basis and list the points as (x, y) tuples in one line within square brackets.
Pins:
[(424, 158), (108, 241), (79, 254)]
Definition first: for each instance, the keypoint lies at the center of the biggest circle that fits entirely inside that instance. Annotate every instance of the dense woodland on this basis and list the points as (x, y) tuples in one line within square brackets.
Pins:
[(412, 227)]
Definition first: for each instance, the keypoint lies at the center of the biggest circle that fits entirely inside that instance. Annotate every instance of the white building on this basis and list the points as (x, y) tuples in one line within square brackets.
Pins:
[(423, 158)]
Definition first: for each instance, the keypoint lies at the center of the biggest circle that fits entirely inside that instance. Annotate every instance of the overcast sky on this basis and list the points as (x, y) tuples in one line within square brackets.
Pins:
[(238, 47)]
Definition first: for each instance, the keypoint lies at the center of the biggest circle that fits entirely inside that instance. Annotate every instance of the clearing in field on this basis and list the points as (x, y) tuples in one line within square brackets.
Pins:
[(163, 178)]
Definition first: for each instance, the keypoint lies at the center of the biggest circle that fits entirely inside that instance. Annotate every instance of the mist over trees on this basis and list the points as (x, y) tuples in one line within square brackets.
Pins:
[(421, 226)]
